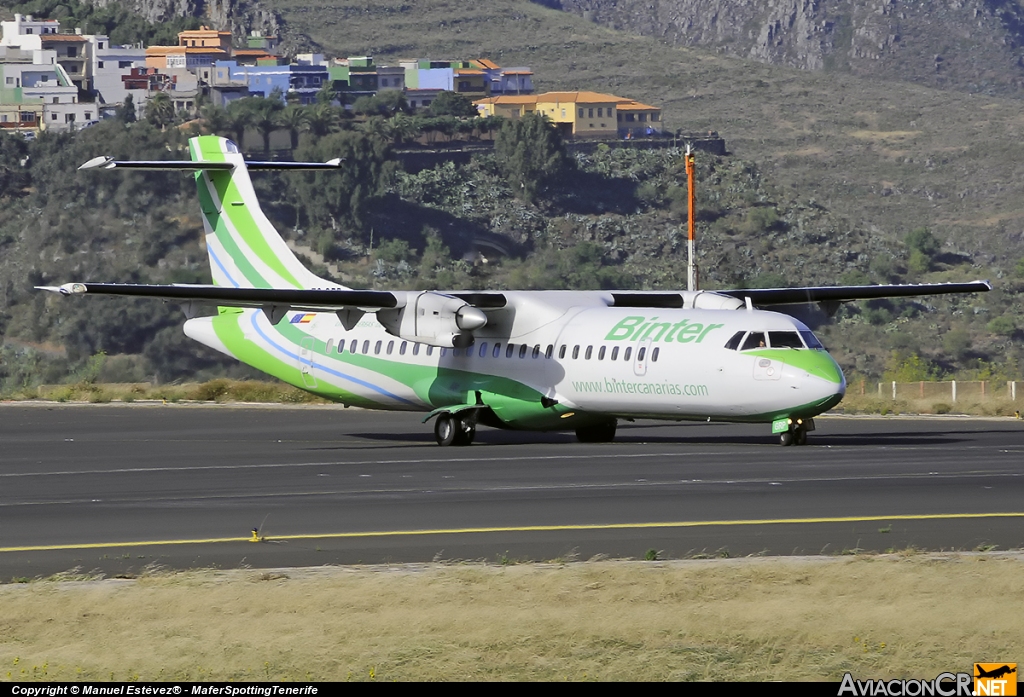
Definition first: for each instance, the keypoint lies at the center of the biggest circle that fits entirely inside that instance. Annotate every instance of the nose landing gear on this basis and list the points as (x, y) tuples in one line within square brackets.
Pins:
[(795, 432)]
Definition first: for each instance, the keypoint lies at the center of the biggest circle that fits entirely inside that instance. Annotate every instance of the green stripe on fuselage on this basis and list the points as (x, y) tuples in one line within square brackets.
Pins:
[(815, 362)]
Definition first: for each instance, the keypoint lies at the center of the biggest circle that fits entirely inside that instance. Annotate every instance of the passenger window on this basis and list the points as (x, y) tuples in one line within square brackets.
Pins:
[(366, 346), (401, 349), (510, 350), (550, 350), (626, 355), (416, 349), (785, 340), (754, 340), (483, 350), (330, 345), (600, 354), (430, 350), (444, 352), (522, 351), (640, 354), (536, 351), (811, 340), (376, 348), (734, 343), (615, 353), (575, 352), (590, 350), (497, 350), (561, 352), (654, 354), (391, 347), (456, 352), (354, 346)]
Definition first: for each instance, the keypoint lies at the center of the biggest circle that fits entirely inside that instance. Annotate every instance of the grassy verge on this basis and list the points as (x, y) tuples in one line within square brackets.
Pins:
[(220, 390), (909, 615), (872, 404)]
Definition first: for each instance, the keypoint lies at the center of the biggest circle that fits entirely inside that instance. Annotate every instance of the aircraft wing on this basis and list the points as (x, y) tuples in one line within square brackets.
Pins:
[(837, 294), (324, 299)]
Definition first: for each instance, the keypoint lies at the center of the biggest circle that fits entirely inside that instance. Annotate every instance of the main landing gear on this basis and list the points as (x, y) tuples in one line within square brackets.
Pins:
[(797, 432), (451, 429)]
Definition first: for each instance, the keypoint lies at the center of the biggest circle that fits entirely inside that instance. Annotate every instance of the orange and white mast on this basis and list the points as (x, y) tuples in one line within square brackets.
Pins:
[(691, 270)]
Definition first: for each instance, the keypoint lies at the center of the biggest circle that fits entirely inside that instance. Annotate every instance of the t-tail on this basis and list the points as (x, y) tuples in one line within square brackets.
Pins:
[(245, 250)]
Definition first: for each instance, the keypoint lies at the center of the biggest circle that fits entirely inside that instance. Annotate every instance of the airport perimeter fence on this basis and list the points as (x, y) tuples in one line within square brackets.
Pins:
[(952, 391)]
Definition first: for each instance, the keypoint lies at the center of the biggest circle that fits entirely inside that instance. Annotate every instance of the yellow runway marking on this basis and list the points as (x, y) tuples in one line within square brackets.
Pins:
[(525, 528)]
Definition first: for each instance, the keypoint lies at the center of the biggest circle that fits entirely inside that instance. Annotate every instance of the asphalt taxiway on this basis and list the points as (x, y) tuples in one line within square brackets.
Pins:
[(116, 489)]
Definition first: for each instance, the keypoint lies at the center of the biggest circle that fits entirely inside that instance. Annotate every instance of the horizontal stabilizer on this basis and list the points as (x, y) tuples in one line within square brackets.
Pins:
[(815, 294), (315, 300), (104, 162)]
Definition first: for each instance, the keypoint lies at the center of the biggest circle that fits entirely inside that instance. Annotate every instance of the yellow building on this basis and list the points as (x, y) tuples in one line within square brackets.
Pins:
[(579, 114)]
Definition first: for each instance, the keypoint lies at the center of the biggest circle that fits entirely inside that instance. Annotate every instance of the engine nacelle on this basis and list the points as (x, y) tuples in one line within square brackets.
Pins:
[(434, 319)]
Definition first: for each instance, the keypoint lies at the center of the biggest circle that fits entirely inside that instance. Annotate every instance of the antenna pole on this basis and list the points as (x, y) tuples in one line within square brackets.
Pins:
[(691, 270)]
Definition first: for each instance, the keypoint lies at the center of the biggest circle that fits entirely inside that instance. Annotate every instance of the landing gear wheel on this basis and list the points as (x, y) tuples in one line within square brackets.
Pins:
[(445, 431), (800, 437), (449, 429), (786, 438), (597, 433)]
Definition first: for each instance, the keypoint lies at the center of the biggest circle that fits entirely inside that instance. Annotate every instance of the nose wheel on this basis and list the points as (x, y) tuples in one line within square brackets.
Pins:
[(796, 434)]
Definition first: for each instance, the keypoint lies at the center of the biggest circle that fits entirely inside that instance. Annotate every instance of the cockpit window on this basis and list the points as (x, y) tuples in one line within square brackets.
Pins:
[(754, 340), (785, 340), (734, 343), (811, 340)]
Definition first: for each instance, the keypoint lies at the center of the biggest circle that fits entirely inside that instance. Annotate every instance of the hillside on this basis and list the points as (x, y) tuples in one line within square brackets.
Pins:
[(967, 45), (827, 177)]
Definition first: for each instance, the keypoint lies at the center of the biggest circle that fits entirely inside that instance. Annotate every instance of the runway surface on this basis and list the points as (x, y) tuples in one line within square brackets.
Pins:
[(115, 489)]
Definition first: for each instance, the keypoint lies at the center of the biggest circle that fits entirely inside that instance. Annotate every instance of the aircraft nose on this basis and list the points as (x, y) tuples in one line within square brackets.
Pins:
[(822, 378)]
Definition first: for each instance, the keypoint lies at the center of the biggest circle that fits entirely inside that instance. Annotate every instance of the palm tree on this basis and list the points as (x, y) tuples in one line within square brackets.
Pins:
[(403, 128), (216, 118), (378, 127), (265, 119), (323, 120), (239, 118), (160, 110), (295, 118)]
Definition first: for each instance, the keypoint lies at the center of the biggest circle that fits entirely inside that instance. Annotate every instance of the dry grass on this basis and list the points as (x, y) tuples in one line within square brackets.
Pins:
[(872, 404), (219, 390), (754, 619)]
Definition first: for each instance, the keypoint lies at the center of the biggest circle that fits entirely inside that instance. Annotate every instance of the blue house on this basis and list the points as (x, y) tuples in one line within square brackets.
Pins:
[(299, 82)]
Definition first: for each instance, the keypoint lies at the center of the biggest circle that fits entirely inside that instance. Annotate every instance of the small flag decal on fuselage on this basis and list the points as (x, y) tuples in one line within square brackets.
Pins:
[(303, 319)]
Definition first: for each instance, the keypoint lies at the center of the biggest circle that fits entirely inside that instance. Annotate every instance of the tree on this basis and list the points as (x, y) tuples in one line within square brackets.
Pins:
[(923, 248), (265, 119), (295, 118), (217, 120), (330, 198), (452, 104), (239, 118), (531, 155), (323, 119), (160, 110), (923, 240), (126, 112)]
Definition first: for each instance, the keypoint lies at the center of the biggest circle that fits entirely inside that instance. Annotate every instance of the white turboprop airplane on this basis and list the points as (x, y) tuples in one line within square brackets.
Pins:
[(531, 360)]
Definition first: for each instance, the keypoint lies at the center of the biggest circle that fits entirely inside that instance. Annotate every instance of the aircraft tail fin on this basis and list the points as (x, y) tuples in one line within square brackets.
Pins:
[(245, 250)]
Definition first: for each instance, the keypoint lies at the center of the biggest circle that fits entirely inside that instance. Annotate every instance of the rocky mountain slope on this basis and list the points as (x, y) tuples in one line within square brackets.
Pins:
[(970, 45)]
